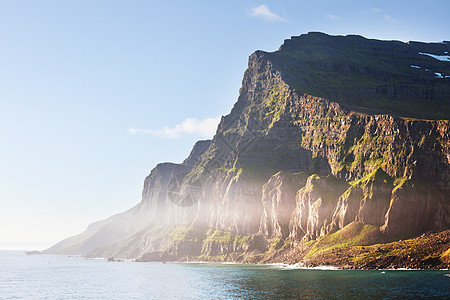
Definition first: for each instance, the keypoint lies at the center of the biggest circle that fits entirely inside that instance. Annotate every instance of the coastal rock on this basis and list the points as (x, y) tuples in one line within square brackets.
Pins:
[(279, 202), (334, 141), (316, 202)]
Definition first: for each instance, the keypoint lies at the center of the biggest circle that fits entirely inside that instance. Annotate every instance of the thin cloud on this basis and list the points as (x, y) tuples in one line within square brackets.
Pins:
[(266, 14), (333, 17), (389, 18), (202, 128), (372, 10)]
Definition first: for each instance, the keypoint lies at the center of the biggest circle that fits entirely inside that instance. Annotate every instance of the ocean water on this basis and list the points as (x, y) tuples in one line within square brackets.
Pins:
[(61, 277)]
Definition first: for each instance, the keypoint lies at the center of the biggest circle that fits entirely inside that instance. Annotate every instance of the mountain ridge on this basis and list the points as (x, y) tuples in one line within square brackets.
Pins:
[(300, 159)]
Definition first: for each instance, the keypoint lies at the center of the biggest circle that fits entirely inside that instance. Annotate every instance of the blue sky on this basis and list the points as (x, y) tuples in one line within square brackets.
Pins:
[(94, 94)]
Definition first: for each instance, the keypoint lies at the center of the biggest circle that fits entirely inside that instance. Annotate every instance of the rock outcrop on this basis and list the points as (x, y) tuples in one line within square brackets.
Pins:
[(330, 136)]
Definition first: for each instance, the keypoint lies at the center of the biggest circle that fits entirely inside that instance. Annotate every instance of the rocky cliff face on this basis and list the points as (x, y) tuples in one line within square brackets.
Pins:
[(329, 136)]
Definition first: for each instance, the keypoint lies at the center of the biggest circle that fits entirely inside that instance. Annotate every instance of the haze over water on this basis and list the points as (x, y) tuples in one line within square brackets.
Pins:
[(62, 277)]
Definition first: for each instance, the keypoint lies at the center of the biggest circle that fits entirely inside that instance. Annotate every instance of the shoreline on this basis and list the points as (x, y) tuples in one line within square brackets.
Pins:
[(279, 265), (426, 252), (296, 266)]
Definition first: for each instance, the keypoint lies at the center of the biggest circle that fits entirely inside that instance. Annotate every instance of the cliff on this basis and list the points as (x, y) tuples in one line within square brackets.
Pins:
[(331, 137)]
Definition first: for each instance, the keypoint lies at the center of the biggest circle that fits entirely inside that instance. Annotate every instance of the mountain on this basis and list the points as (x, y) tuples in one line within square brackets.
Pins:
[(335, 143)]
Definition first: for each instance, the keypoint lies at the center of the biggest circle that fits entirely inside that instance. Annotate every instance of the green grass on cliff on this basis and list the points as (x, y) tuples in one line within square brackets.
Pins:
[(376, 176), (445, 257), (423, 252), (399, 183), (218, 236), (224, 237), (328, 187), (342, 71), (354, 234), (426, 249), (187, 234)]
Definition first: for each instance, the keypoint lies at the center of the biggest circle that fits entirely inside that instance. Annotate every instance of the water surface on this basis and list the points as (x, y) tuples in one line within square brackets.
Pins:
[(62, 277)]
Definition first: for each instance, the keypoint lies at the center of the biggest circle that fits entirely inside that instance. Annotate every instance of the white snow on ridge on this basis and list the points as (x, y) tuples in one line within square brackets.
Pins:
[(438, 57), (413, 66)]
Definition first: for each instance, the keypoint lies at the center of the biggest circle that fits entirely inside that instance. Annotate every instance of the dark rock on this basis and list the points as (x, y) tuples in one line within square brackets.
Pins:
[(33, 252)]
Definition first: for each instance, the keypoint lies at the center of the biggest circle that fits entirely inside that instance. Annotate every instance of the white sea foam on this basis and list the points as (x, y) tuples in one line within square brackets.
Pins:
[(413, 66), (278, 264), (438, 75), (402, 269), (283, 266), (294, 267), (300, 266), (325, 268)]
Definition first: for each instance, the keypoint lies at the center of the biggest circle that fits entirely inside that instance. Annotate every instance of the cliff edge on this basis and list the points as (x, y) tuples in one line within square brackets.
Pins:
[(335, 142)]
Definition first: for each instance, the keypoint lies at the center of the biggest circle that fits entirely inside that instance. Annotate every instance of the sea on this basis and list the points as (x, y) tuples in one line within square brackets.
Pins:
[(64, 277)]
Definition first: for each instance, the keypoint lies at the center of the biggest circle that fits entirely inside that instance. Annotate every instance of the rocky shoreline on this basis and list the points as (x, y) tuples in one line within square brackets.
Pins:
[(429, 251)]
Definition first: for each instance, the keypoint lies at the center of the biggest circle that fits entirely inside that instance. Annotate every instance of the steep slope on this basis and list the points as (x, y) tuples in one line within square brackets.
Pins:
[(155, 209), (331, 136), (102, 233)]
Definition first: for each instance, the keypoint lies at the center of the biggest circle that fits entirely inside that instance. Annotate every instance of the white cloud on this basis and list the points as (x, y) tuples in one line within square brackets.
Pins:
[(389, 18), (333, 17), (372, 10), (264, 12), (203, 128)]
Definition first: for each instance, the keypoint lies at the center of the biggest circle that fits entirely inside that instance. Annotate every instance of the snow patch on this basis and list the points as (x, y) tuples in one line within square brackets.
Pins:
[(413, 66), (438, 57)]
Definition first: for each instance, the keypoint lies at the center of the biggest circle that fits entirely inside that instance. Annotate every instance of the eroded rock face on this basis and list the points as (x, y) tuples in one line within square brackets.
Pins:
[(278, 201), (154, 193), (327, 132), (316, 203), (416, 209), (347, 208)]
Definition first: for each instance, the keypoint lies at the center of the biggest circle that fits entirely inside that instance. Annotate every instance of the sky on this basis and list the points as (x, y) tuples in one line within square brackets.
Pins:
[(93, 94)]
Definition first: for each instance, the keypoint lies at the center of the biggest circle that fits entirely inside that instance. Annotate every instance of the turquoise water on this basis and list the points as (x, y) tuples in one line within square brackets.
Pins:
[(62, 277)]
